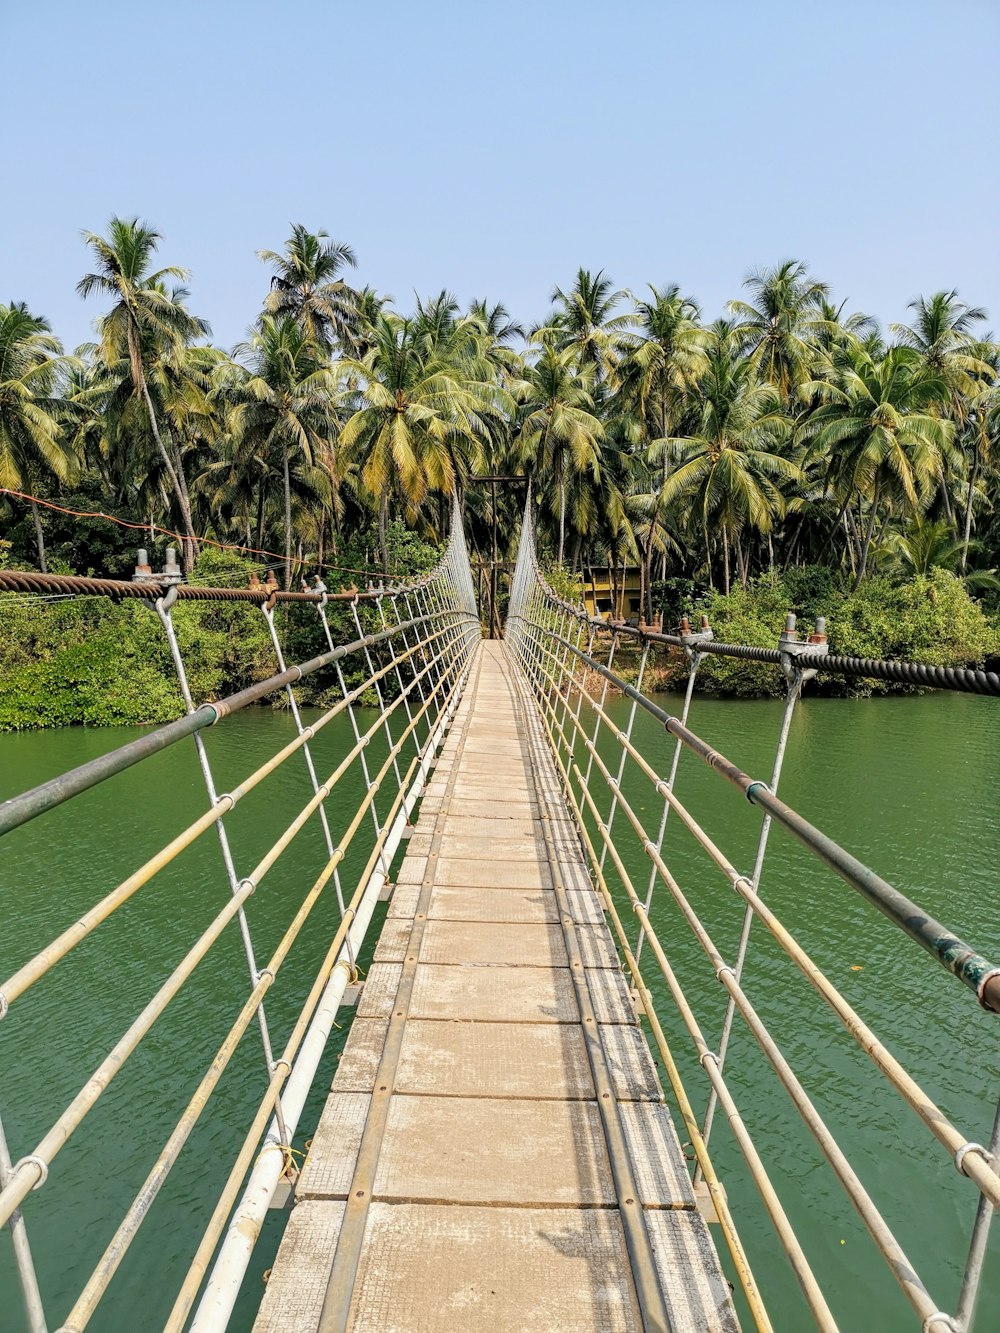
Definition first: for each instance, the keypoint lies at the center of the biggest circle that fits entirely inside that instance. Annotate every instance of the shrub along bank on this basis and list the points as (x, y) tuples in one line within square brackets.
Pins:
[(930, 619), (95, 662)]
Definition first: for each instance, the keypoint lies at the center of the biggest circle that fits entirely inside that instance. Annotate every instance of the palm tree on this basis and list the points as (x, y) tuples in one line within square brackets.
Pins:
[(980, 429), (559, 430), (283, 405), (307, 285), (662, 365), (417, 407), (143, 321), (30, 438), (925, 547), (941, 334), (879, 433), (730, 469), (584, 319), (773, 326)]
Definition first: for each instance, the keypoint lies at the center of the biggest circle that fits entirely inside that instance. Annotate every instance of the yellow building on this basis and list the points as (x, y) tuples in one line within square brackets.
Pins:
[(612, 593)]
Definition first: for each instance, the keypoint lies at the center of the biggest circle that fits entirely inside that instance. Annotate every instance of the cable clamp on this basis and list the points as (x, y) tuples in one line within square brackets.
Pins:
[(226, 796), (40, 1162), (746, 881), (275, 1066), (966, 1148), (721, 972), (4, 1006), (708, 1055), (938, 1318), (662, 788), (650, 848), (265, 972), (247, 881), (751, 787)]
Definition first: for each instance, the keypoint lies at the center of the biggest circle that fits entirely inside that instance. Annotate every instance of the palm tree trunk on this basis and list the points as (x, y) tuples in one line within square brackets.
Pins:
[(708, 558), (741, 560), (562, 517), (288, 516), (260, 516), (967, 521), (866, 545), (725, 559), (39, 537), (190, 543), (383, 524), (946, 498)]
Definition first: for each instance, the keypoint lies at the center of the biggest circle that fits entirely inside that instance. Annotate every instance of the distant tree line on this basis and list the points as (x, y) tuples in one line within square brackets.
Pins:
[(792, 433)]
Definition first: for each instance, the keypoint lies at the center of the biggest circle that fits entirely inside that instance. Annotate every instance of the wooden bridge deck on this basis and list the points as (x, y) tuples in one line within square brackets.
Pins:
[(496, 1107)]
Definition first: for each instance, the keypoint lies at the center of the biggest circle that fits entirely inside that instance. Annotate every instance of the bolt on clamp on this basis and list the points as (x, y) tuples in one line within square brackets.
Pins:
[(790, 646)]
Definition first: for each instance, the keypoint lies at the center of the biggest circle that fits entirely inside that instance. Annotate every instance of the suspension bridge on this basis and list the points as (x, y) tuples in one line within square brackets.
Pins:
[(511, 1137)]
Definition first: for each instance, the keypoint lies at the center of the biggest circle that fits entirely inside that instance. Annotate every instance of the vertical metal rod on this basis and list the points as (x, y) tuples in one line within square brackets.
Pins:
[(371, 671), (413, 668), (376, 822), (695, 662), (166, 620), (27, 1276), (574, 734), (293, 705), (794, 692), (399, 678), (977, 1245), (604, 699), (621, 765)]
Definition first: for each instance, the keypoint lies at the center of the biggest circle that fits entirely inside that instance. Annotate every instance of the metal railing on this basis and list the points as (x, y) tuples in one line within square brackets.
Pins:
[(557, 645), (422, 648)]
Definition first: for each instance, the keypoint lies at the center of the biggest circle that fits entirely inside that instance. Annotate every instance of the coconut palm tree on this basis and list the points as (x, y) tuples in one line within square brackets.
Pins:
[(661, 366), (559, 431), (418, 410), (774, 325), (31, 442), (879, 434), (282, 407), (307, 285), (584, 319), (144, 320), (730, 466)]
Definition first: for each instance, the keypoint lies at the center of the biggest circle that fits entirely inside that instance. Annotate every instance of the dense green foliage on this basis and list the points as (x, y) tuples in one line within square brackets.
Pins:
[(102, 663), (734, 459), (930, 618)]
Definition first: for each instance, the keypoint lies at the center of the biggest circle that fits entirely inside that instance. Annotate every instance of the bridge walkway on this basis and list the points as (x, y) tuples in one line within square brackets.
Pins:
[(495, 1151)]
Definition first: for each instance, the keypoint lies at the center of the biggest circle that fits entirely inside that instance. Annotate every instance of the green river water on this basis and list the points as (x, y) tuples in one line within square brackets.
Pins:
[(908, 784)]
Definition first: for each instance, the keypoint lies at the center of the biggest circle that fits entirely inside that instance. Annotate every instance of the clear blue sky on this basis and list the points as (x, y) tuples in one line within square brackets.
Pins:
[(494, 148)]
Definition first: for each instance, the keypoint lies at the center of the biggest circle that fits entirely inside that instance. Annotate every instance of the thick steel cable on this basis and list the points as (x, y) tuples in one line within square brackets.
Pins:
[(27, 581), (969, 680)]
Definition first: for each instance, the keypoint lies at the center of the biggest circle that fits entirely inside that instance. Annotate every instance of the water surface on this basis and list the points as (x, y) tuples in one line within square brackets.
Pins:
[(905, 783)]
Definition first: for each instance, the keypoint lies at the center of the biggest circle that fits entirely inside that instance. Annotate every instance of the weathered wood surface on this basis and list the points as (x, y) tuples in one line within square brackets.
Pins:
[(462, 1136)]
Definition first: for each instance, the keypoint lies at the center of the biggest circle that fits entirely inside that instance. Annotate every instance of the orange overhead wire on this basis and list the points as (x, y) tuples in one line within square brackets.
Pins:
[(178, 536)]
